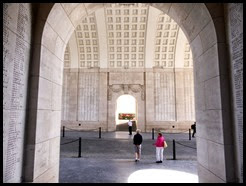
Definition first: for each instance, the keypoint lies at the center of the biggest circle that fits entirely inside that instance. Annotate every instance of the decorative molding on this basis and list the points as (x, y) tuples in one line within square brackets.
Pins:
[(110, 92), (135, 88), (126, 89), (142, 92), (67, 57), (116, 88)]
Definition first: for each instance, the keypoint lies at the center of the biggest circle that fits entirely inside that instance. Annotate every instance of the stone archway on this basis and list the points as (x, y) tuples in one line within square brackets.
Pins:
[(115, 91), (215, 149), (125, 104)]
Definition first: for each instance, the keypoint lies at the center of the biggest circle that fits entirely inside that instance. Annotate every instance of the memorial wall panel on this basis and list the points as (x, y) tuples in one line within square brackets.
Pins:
[(69, 96), (88, 96), (16, 58), (164, 96), (235, 26)]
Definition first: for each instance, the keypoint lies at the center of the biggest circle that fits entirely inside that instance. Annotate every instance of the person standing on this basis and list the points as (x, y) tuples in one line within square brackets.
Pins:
[(137, 141), (193, 127), (159, 144), (130, 127)]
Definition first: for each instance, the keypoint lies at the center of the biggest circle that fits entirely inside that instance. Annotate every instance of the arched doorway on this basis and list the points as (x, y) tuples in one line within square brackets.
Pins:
[(211, 93), (126, 109)]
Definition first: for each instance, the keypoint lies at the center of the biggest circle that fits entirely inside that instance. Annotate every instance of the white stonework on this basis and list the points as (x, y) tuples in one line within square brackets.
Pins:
[(39, 71), (164, 47)]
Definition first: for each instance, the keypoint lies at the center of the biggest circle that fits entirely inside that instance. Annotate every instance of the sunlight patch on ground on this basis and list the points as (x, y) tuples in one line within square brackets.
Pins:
[(162, 176)]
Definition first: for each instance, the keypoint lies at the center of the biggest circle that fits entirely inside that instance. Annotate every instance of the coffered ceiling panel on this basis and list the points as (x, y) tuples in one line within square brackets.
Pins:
[(126, 34)]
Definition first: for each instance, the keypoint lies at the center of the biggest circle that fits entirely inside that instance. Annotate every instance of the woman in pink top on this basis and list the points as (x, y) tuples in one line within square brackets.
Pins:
[(159, 147)]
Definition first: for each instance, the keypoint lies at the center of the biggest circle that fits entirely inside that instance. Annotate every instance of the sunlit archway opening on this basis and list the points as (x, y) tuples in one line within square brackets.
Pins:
[(162, 176), (125, 104)]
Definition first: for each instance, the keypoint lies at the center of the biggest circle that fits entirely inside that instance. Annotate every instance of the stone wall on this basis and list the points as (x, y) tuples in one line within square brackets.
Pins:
[(171, 94), (205, 32), (165, 107), (184, 83), (80, 96), (69, 95), (17, 24), (234, 24), (169, 99), (81, 93), (42, 139)]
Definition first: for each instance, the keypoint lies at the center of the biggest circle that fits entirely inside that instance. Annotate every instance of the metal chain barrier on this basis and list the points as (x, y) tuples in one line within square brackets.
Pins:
[(79, 149), (69, 142), (74, 130), (172, 133), (185, 145), (81, 130), (176, 133)]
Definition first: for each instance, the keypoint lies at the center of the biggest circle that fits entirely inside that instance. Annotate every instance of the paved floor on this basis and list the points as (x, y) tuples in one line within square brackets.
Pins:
[(110, 159)]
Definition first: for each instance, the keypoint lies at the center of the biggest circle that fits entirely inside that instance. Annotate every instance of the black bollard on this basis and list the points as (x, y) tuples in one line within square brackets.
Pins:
[(174, 152), (63, 131), (79, 147), (153, 133), (189, 135), (100, 132)]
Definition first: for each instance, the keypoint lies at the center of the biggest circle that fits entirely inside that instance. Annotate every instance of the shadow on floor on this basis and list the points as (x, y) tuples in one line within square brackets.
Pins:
[(124, 127)]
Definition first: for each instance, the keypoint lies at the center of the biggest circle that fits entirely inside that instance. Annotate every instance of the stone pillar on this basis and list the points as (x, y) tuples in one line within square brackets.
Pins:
[(44, 120), (213, 114), (103, 98), (111, 98), (149, 98)]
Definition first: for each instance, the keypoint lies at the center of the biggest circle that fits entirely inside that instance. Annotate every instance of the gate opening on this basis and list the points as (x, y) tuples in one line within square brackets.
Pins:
[(126, 109)]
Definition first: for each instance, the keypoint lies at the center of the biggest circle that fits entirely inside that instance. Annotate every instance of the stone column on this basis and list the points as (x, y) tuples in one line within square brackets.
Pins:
[(149, 98), (44, 121), (103, 98)]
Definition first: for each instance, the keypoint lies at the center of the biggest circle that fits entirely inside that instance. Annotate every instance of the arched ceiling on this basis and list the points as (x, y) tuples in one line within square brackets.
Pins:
[(128, 36)]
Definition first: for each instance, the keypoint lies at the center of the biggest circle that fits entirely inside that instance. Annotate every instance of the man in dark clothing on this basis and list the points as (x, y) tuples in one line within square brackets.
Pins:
[(193, 127), (130, 127), (137, 141)]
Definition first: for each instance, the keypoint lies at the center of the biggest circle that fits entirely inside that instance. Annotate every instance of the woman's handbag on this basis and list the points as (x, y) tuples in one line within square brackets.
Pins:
[(165, 144)]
